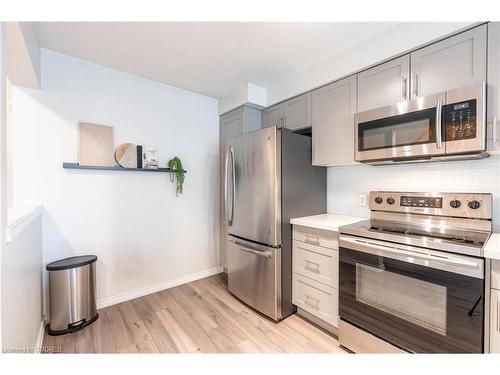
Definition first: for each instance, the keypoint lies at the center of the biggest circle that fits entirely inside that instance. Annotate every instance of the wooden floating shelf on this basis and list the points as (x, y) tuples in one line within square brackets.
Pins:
[(113, 168)]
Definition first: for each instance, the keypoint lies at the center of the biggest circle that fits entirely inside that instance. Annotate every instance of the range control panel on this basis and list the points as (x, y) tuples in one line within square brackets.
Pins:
[(409, 201), (468, 205), (460, 120)]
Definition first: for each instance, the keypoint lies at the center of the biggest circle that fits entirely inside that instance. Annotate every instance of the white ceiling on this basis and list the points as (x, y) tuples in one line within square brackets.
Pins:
[(213, 59)]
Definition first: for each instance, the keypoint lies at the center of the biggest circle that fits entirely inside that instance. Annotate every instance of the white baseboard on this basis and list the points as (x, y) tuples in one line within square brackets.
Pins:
[(39, 339), (127, 296)]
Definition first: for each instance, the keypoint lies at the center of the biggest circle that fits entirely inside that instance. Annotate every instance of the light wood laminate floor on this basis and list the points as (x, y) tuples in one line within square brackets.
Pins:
[(199, 317)]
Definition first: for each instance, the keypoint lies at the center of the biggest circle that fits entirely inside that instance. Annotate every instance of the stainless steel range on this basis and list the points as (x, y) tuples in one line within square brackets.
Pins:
[(412, 278)]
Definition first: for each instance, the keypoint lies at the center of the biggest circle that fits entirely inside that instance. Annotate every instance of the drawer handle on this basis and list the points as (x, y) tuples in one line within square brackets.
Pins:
[(311, 266), (315, 300), (312, 241)]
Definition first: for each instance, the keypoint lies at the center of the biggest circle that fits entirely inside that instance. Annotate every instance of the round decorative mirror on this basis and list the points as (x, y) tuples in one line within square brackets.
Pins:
[(126, 155)]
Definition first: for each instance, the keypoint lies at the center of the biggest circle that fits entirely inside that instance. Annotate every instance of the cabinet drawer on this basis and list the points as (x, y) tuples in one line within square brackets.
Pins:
[(316, 298), (317, 237), (495, 274), (317, 263)]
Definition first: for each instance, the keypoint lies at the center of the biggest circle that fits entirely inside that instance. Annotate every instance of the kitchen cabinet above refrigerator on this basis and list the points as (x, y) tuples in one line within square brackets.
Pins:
[(294, 114)]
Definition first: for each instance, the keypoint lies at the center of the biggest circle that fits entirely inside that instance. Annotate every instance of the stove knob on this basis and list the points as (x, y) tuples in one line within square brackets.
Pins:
[(474, 204), (455, 203), (378, 200), (390, 200)]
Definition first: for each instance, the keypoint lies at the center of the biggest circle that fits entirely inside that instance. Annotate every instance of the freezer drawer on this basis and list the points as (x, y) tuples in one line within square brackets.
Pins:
[(254, 276)]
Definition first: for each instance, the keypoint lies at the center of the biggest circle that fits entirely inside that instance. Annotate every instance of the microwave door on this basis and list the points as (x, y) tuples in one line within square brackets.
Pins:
[(406, 130)]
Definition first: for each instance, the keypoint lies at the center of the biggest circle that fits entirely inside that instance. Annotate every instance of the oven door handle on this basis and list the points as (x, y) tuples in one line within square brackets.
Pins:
[(385, 249)]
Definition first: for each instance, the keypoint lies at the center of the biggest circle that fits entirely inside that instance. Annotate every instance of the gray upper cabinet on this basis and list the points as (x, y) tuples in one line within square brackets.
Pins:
[(384, 84), (297, 112), (273, 116), (493, 133), (333, 109), (454, 62)]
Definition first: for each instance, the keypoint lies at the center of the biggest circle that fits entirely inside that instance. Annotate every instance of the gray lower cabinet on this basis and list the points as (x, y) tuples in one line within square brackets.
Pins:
[(333, 109), (384, 84), (297, 112), (241, 120), (493, 134), (315, 265), (273, 116), (451, 63)]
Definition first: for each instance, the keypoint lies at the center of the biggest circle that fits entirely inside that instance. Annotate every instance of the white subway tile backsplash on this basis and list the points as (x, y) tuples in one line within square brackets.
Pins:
[(346, 183)]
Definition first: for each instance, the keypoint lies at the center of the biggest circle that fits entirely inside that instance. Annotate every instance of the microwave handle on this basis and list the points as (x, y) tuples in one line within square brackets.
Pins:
[(439, 140)]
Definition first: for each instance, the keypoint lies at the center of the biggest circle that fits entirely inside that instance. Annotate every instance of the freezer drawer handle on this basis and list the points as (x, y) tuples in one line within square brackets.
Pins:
[(242, 247), (265, 254)]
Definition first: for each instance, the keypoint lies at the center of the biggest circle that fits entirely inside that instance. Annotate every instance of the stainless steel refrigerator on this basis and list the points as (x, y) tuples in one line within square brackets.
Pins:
[(269, 179)]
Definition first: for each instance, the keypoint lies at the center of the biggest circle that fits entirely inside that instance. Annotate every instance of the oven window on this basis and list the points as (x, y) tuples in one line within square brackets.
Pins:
[(403, 130), (416, 301)]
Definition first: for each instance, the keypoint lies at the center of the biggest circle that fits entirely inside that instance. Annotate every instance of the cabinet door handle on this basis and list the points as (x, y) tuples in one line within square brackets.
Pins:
[(405, 93), (315, 300), (309, 266), (415, 85), (495, 130), (312, 241)]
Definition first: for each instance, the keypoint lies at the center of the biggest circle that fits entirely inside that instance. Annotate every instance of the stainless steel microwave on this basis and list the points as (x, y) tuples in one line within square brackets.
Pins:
[(448, 125)]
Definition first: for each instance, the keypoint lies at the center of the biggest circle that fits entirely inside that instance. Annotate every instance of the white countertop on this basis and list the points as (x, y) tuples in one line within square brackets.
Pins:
[(492, 247), (326, 221)]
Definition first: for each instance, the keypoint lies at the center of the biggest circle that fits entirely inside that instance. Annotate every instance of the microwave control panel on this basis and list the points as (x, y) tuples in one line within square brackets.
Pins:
[(460, 120)]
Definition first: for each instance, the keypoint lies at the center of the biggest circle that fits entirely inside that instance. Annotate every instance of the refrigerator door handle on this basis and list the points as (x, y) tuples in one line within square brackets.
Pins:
[(229, 212)]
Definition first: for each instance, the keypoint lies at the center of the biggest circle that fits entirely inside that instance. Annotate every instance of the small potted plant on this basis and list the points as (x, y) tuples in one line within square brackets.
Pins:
[(177, 173)]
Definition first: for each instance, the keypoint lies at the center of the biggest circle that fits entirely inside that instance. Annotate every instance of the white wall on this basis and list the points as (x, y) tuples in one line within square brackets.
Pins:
[(345, 183), (247, 93), (22, 289), (394, 42), (143, 235), (23, 54)]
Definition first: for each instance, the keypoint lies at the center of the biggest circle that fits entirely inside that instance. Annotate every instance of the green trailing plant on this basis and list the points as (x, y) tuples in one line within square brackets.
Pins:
[(176, 174)]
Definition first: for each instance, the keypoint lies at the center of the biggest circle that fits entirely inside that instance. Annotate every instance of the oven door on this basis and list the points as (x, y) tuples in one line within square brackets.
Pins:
[(406, 130), (419, 300)]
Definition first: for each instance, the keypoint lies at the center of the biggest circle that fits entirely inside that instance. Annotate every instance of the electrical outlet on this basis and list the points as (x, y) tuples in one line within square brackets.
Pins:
[(362, 200)]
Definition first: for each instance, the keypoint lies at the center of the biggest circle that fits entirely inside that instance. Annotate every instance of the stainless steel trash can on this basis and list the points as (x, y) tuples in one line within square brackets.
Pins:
[(72, 294)]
